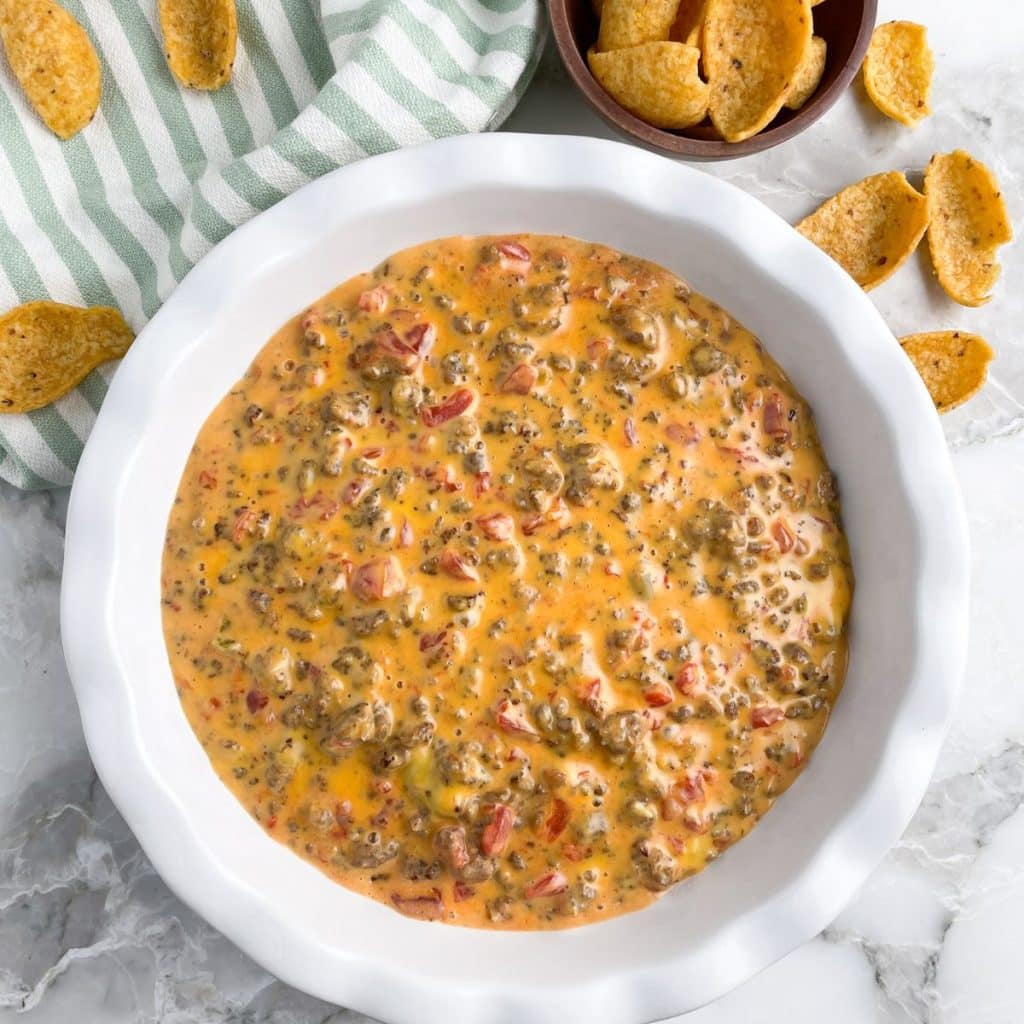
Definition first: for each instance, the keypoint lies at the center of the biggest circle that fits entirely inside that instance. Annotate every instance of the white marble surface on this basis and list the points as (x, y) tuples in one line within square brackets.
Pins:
[(88, 933)]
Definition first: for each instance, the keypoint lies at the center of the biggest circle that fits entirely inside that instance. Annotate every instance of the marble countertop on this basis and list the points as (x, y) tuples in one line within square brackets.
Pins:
[(89, 933)]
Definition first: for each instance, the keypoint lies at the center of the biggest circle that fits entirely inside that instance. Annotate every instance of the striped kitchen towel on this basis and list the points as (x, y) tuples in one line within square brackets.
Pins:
[(118, 214)]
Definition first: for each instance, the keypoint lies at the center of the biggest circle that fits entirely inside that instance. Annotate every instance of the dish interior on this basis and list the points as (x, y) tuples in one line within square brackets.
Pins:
[(508, 586)]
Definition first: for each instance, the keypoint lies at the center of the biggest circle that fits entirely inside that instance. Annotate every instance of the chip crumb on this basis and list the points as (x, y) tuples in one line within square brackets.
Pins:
[(54, 61), (952, 364), (871, 227), (969, 222), (200, 38), (46, 348), (752, 52)]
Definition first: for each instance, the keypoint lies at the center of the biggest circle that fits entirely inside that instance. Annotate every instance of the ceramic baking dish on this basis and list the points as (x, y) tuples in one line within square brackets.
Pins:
[(903, 515)]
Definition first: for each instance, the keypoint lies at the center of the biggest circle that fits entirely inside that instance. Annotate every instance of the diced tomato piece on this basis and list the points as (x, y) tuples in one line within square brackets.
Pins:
[(256, 700), (303, 504), (598, 348), (775, 419), (498, 830), (207, 479), (783, 537), (497, 526), (421, 338), (378, 579), (590, 692), (385, 347), (686, 678), (520, 380), (445, 475), (450, 844), (573, 852), (373, 300), (424, 908), (551, 884), (354, 490), (695, 821), (452, 563), (392, 344), (246, 517), (483, 483), (691, 785), (454, 405), (629, 428), (512, 718), (672, 808), (428, 641), (739, 453), (531, 524), (683, 433), (657, 695), (765, 715), (461, 891), (558, 512), (678, 843), (514, 251), (557, 819), (405, 535)]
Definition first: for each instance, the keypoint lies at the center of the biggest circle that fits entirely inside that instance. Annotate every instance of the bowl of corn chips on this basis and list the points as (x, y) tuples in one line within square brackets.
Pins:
[(712, 79)]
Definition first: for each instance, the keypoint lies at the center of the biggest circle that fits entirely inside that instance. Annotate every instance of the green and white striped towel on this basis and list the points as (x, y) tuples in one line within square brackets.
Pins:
[(118, 214)]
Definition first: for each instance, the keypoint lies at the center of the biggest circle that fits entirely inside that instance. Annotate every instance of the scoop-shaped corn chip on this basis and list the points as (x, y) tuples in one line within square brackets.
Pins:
[(952, 364), (968, 224), (808, 75), (658, 82), (54, 61), (753, 50), (898, 71), (689, 22), (870, 228), (200, 38), (632, 22), (47, 348)]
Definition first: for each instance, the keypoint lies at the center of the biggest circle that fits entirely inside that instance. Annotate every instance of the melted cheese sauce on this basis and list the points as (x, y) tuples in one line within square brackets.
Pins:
[(508, 586)]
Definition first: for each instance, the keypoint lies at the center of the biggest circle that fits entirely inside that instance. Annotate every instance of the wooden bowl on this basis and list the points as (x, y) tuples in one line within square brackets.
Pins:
[(845, 25)]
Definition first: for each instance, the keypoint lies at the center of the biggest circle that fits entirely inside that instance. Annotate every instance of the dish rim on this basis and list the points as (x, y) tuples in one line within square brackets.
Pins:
[(801, 908)]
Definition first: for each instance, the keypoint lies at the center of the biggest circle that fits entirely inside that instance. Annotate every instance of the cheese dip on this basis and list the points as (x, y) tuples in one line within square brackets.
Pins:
[(508, 586)]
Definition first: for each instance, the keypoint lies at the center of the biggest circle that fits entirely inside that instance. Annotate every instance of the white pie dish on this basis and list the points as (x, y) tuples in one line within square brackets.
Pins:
[(903, 515)]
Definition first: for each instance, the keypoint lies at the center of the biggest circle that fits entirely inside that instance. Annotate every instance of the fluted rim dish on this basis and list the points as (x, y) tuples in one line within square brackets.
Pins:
[(903, 514)]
